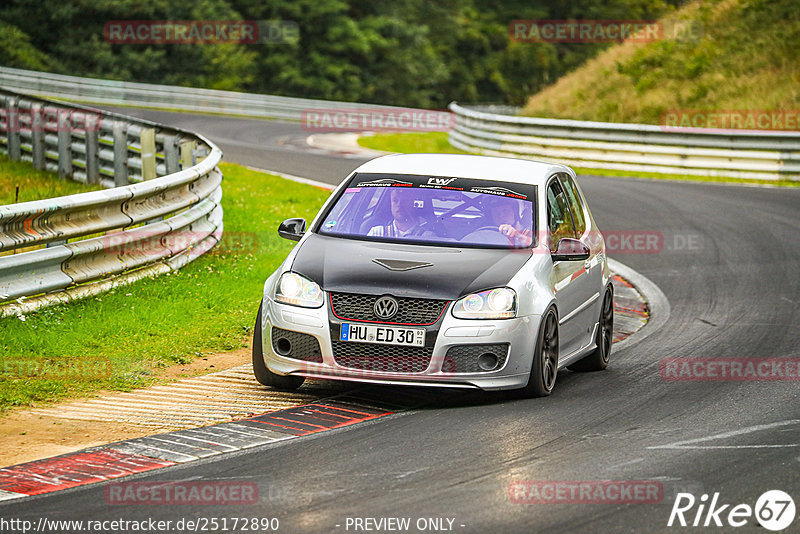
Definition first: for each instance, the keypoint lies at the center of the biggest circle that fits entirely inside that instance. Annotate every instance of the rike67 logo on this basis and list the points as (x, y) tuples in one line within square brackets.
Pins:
[(774, 510)]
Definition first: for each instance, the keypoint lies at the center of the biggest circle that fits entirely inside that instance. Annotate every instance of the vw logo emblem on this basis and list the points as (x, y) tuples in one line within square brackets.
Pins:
[(385, 307)]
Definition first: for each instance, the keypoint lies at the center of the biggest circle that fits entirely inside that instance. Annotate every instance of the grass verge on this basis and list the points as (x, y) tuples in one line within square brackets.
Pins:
[(118, 340), (410, 143), (715, 62), (684, 177), (33, 184), (436, 142)]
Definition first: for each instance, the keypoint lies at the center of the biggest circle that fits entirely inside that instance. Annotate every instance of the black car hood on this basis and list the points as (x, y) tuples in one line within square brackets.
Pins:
[(349, 265)]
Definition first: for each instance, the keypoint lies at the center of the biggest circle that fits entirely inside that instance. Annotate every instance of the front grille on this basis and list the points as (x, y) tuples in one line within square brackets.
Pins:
[(381, 358), (303, 346), (464, 358), (357, 307)]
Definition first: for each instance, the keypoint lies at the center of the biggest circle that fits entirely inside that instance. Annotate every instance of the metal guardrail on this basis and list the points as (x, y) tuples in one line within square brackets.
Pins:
[(110, 92), (169, 215), (483, 129), (770, 155)]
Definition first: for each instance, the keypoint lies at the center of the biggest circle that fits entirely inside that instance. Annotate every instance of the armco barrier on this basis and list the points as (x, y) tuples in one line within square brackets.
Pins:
[(164, 211), (118, 93), (770, 155), (484, 129)]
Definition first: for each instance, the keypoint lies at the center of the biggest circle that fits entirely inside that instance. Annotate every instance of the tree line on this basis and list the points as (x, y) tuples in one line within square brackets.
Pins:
[(415, 53)]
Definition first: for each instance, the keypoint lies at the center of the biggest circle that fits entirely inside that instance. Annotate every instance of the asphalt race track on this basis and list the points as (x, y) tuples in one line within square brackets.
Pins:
[(728, 265)]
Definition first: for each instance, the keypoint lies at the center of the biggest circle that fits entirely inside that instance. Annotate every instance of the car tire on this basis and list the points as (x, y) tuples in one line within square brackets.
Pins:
[(597, 360), (544, 367), (263, 374)]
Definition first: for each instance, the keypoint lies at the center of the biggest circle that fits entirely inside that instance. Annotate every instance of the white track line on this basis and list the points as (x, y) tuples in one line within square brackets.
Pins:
[(294, 178), (690, 443)]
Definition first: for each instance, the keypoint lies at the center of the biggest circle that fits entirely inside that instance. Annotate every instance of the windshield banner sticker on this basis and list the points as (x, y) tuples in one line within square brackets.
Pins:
[(440, 182)]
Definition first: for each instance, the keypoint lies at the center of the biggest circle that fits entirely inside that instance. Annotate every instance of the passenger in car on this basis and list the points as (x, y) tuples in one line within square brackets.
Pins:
[(505, 215)]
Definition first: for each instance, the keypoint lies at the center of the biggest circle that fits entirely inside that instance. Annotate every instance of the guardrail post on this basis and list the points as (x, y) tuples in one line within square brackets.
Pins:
[(187, 154), (12, 119), (171, 153), (92, 150), (37, 137), (64, 144), (148, 142), (120, 153)]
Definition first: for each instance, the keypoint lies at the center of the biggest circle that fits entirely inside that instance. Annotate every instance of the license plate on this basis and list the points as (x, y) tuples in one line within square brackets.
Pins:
[(384, 335)]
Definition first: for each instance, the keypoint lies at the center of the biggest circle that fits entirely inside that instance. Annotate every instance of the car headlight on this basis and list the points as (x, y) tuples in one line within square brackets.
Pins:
[(500, 303), (298, 291)]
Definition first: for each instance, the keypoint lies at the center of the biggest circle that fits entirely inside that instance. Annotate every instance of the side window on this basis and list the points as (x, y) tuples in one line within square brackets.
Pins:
[(575, 207), (559, 219), (348, 213)]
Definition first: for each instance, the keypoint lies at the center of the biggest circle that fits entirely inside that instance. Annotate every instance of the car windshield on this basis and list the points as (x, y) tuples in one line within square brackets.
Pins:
[(433, 210)]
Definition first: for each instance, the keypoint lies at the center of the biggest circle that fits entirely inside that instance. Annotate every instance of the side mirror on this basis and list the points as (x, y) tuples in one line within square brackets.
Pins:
[(570, 249), (292, 229)]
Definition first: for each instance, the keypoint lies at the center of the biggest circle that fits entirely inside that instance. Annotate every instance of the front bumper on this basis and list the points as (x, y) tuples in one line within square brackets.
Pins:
[(518, 333)]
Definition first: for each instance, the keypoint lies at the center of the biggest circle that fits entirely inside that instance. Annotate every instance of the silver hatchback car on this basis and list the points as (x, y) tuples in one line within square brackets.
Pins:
[(440, 270)]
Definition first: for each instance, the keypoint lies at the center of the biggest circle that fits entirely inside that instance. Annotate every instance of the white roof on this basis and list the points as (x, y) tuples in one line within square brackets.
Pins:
[(465, 166)]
